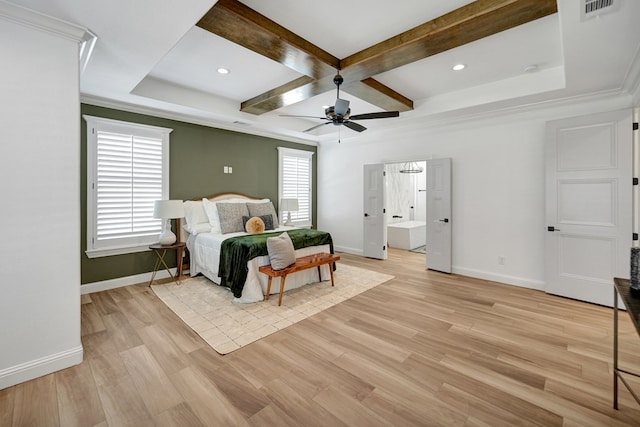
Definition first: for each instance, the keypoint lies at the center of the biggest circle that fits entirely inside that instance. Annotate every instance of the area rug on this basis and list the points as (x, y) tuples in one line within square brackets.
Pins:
[(226, 326)]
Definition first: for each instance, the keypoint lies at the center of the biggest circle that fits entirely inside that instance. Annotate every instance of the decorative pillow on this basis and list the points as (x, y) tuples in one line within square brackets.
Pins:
[(264, 208), (253, 225), (230, 215), (267, 220), (281, 251)]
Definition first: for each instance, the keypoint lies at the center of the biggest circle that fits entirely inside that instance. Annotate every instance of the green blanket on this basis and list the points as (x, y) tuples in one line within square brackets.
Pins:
[(237, 251)]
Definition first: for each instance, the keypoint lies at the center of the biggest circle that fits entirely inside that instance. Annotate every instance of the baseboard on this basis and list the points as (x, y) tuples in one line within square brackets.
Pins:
[(39, 367), (119, 282), (479, 274), (348, 250), (501, 278)]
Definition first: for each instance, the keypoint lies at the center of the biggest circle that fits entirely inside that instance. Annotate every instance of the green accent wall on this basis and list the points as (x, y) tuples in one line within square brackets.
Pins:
[(197, 157)]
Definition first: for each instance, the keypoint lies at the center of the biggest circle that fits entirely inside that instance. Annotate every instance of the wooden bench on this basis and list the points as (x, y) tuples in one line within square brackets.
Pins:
[(302, 263)]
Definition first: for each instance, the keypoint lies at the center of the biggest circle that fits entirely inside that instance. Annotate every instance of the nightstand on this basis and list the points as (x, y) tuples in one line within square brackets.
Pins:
[(622, 287), (161, 251)]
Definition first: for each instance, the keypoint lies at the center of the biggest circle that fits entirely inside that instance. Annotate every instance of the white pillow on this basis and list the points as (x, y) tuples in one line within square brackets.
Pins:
[(212, 213), (203, 227), (194, 213), (281, 251)]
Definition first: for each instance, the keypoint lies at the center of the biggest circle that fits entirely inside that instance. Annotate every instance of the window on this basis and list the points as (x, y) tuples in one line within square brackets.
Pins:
[(294, 182), (127, 170)]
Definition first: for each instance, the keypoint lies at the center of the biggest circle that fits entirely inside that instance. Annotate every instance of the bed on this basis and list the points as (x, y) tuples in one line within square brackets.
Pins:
[(211, 230)]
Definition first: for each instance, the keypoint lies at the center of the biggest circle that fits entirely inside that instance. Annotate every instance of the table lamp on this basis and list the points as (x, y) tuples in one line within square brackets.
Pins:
[(167, 210), (288, 205)]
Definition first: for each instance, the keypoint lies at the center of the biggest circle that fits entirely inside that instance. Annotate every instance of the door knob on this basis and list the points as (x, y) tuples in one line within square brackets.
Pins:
[(552, 228), (366, 214), (444, 220)]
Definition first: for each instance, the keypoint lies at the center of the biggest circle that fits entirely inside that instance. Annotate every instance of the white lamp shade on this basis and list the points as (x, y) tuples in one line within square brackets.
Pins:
[(289, 205), (168, 209)]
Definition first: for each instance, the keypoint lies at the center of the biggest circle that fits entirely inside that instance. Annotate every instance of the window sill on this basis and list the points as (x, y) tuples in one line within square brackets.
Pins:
[(303, 225), (98, 253)]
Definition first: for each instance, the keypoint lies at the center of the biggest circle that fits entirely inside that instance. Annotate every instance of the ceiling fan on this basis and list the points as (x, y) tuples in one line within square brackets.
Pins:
[(340, 113)]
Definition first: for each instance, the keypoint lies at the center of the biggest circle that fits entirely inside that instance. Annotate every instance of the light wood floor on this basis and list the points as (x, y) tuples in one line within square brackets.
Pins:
[(422, 349)]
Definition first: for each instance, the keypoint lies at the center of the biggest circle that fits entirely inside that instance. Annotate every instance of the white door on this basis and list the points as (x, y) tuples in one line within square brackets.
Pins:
[(588, 205), (375, 218), (439, 215)]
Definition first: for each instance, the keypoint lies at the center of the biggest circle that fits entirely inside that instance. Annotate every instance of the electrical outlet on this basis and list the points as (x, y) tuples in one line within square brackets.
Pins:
[(230, 169), (501, 260)]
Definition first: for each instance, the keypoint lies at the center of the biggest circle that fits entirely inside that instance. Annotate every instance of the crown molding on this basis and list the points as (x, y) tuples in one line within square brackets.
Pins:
[(613, 99), (31, 18), (209, 122), (632, 80), (568, 106)]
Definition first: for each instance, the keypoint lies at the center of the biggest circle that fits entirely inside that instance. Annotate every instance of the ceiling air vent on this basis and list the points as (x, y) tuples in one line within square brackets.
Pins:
[(593, 8)]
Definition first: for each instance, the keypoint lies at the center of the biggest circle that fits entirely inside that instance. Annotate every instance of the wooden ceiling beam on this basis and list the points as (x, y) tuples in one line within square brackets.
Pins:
[(303, 88), (295, 91), (242, 25), (467, 24), (376, 93)]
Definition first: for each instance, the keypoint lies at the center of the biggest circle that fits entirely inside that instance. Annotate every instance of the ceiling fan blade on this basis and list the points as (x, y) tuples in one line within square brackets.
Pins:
[(341, 107), (381, 115), (315, 127), (354, 126), (308, 117)]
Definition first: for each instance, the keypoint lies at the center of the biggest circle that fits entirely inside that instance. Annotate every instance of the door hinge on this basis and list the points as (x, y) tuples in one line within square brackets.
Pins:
[(635, 126), (635, 181), (384, 210), (384, 173), (384, 247), (635, 236)]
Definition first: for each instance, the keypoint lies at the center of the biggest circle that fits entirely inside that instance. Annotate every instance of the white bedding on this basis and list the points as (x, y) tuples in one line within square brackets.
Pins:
[(204, 249)]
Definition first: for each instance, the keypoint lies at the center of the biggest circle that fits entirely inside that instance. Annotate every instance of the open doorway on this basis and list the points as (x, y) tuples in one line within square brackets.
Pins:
[(379, 212), (406, 204)]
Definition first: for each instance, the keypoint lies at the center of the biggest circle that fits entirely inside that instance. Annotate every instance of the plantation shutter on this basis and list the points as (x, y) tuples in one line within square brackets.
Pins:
[(129, 180), (295, 182), (127, 171)]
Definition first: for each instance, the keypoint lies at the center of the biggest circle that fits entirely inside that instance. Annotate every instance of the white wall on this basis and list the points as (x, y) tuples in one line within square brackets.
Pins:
[(498, 185), (40, 181)]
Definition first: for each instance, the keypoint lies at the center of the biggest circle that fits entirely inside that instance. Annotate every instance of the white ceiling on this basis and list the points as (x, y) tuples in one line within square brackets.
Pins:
[(150, 56)]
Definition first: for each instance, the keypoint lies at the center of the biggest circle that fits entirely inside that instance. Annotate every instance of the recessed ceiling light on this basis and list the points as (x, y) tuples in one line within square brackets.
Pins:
[(458, 67), (223, 70)]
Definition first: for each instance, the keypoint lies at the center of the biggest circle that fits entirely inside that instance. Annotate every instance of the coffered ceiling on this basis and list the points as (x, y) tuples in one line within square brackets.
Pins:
[(161, 56)]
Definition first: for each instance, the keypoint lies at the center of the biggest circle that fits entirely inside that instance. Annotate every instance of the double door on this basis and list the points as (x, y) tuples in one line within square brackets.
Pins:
[(439, 221)]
